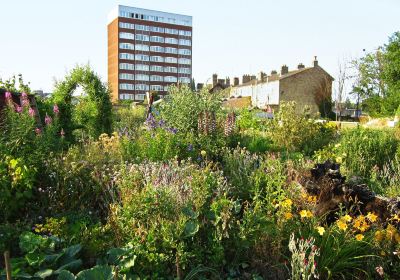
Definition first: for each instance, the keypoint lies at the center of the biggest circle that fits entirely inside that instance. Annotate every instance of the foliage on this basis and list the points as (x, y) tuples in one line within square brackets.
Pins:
[(182, 107), (295, 132), (366, 149), (42, 258), (91, 112), (128, 121)]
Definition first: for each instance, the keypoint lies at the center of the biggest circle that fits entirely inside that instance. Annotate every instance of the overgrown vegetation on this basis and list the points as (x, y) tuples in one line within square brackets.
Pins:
[(192, 192)]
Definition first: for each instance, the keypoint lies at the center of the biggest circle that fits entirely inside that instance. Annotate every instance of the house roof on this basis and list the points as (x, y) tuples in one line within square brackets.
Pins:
[(277, 77)]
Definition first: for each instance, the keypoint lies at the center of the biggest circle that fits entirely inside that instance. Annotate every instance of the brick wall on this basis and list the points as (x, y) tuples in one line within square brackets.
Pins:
[(306, 89)]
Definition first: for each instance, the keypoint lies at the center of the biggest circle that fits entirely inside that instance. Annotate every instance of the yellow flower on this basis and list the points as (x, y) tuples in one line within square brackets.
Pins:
[(312, 199), (341, 225), (347, 218), (359, 237), (203, 153), (288, 215), (306, 214), (378, 235), (339, 160), (321, 230), (372, 217), (287, 203), (397, 237)]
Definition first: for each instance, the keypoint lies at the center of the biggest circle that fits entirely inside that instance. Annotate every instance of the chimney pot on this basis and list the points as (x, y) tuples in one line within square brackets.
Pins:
[(284, 70)]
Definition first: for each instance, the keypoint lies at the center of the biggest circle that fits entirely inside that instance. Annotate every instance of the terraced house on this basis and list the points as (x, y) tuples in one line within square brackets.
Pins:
[(147, 51), (309, 87)]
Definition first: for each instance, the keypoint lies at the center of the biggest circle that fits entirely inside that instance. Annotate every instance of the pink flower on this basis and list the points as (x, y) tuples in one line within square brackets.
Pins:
[(38, 131), (47, 119), (25, 102), (379, 270), (62, 133), (24, 95), (31, 112), (8, 95), (55, 109), (18, 109)]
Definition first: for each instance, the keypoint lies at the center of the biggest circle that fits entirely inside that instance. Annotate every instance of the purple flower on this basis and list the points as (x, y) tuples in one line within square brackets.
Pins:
[(47, 120), (38, 131), (31, 112), (62, 133), (56, 109), (8, 95), (190, 148), (18, 109)]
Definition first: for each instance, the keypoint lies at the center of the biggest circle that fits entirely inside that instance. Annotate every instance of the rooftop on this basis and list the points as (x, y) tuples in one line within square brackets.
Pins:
[(150, 15)]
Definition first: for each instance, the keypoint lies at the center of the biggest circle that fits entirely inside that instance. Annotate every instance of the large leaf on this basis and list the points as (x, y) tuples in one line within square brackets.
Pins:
[(114, 255), (65, 275), (68, 255), (44, 273), (35, 258), (96, 273), (191, 228), (29, 241), (71, 266)]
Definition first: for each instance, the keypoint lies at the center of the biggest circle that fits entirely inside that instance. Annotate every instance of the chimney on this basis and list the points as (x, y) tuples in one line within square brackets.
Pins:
[(300, 66), (221, 82), (235, 81), (215, 79), (253, 77), (315, 62), (261, 76), (284, 70), (227, 81), (245, 79)]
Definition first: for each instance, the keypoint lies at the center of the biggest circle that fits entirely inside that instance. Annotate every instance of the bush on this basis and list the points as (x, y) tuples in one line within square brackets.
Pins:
[(295, 132), (366, 149)]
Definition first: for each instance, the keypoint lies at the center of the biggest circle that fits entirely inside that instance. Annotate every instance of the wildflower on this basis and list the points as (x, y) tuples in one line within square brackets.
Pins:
[(8, 95), (18, 109), (24, 95), (190, 147), (372, 217), (378, 235), (38, 131), (56, 110), (321, 230), (379, 270), (339, 159), (47, 120), (287, 203), (62, 133), (341, 225), (306, 214), (31, 112), (359, 237), (203, 153), (288, 215), (347, 218)]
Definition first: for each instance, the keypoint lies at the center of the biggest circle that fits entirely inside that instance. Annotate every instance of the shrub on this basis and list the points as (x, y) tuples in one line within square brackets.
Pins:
[(295, 132), (181, 108), (365, 149)]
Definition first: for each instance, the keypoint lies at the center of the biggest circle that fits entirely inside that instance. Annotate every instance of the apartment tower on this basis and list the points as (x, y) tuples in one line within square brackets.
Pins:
[(147, 51)]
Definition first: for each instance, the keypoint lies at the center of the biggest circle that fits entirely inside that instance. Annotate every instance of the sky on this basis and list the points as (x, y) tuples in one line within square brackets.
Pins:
[(44, 39)]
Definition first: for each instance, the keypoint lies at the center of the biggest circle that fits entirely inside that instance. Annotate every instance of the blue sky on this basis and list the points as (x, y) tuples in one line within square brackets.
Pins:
[(44, 39)]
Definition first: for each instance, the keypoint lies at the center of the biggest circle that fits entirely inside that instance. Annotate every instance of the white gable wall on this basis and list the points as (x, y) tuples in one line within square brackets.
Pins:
[(262, 94)]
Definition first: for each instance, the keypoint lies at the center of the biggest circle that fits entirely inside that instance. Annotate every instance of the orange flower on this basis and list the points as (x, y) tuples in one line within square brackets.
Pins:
[(288, 215)]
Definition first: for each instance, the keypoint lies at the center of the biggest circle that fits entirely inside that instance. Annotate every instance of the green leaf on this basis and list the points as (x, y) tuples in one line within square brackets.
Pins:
[(35, 258), (114, 255), (191, 228), (65, 275), (96, 273), (29, 241), (71, 266), (44, 273), (127, 263)]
